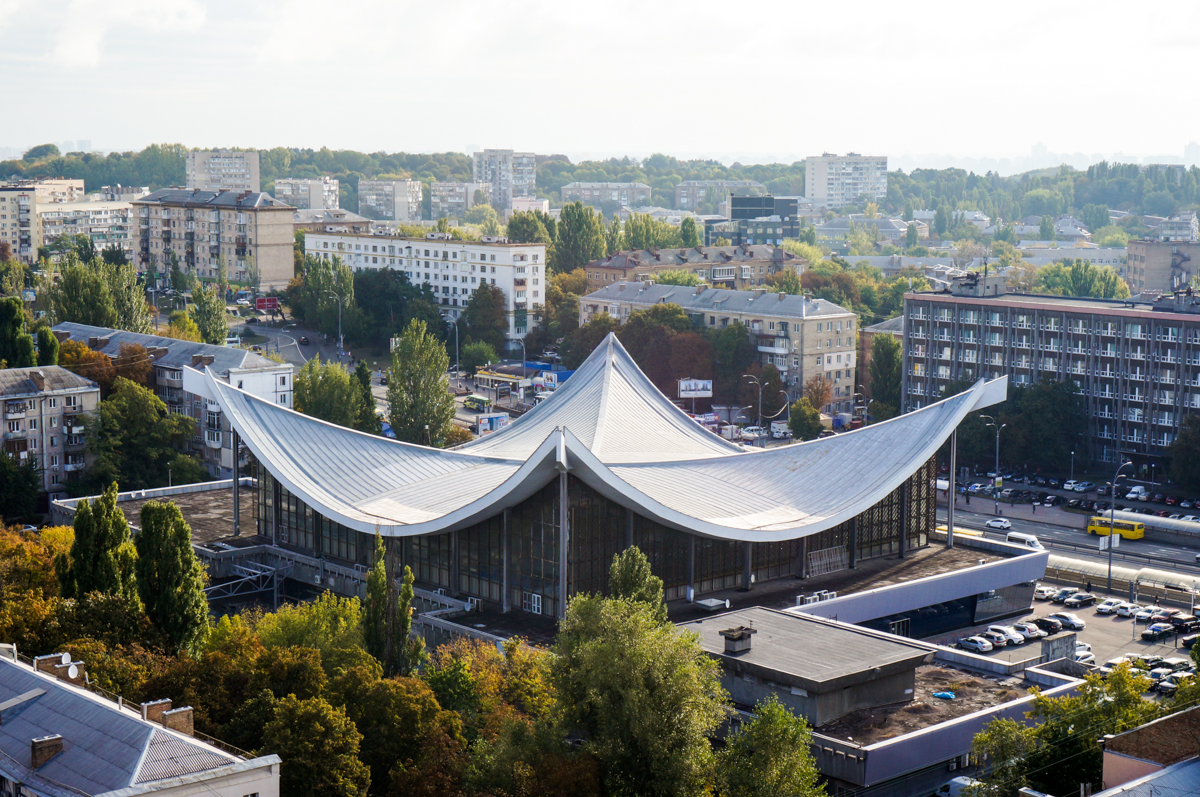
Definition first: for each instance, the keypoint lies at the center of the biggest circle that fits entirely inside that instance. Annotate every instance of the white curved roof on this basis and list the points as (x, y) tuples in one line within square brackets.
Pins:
[(610, 426)]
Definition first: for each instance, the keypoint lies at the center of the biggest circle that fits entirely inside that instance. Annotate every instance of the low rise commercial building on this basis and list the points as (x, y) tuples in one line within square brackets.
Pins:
[(527, 204), (46, 413), (755, 219), (390, 200), (222, 170), (106, 224), (801, 337), (597, 194), (304, 194), (739, 266), (450, 200)]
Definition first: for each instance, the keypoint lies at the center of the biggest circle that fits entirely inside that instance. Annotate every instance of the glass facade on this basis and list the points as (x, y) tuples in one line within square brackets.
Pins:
[(471, 562)]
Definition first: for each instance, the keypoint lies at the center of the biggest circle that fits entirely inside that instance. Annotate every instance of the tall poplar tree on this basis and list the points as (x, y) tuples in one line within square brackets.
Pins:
[(209, 315), (581, 237), (47, 347), (170, 579), (420, 407), (16, 345), (102, 556)]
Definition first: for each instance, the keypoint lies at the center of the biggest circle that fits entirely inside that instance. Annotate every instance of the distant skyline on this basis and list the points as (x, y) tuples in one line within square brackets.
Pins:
[(1030, 86)]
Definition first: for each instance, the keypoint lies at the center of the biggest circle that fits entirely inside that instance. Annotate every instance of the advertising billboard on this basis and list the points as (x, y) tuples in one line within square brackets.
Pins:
[(695, 388)]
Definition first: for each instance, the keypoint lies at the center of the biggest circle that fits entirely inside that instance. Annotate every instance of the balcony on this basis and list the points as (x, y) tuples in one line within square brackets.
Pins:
[(18, 435), (70, 467), (15, 409), (212, 438), (73, 424), (767, 345), (75, 443)]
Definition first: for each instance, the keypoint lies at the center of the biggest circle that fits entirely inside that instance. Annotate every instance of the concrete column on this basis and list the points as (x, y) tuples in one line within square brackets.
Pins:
[(747, 564), (564, 543), (802, 559), (454, 579), (628, 527), (951, 493), (691, 567), (505, 556), (903, 519), (854, 543), (237, 501)]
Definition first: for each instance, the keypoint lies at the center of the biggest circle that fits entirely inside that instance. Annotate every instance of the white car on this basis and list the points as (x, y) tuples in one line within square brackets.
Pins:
[(975, 643), (1044, 593), (1128, 609), (1083, 647), (243, 302), (1013, 636), (754, 432), (1191, 518), (1000, 523), (1144, 615), (1085, 657), (1070, 484), (1029, 630), (1108, 607), (1069, 620)]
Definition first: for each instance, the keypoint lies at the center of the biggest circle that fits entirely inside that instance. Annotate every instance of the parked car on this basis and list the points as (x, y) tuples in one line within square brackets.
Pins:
[(1074, 503), (1144, 615), (975, 643), (1159, 673), (1052, 484), (1164, 615), (1135, 493), (999, 523), (1029, 630), (1108, 607), (1014, 636), (1053, 500), (1069, 620), (1084, 487), (1079, 600), (1043, 593), (1063, 594), (754, 432), (1048, 624), (1069, 484), (1184, 622), (1157, 631), (1191, 518), (1172, 500), (1190, 640), (1128, 609), (243, 302), (1088, 505), (998, 640), (1083, 646), (1157, 498), (1103, 490), (1085, 657), (1186, 503), (1170, 685), (303, 340)]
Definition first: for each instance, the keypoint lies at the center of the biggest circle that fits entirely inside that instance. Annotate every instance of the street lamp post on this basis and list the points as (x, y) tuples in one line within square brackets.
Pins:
[(1112, 512), (995, 493), (755, 381), (1072, 466), (341, 343)]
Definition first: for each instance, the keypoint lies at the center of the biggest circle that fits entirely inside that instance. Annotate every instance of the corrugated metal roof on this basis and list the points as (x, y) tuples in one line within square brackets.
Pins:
[(179, 352), (170, 756), (16, 381)]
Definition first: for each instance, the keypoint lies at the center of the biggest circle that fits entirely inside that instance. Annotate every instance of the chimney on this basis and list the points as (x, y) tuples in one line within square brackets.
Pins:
[(61, 335), (179, 719), (96, 342), (758, 293), (700, 289), (154, 710), (621, 287), (71, 672), (39, 379), (43, 748), (201, 359), (737, 640), (781, 295), (48, 662)]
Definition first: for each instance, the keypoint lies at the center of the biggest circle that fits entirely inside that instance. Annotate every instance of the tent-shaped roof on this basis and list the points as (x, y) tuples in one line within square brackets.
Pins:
[(612, 428)]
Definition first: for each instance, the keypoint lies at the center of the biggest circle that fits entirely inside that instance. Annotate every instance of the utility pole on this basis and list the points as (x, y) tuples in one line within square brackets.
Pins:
[(755, 381), (1111, 520), (996, 478)]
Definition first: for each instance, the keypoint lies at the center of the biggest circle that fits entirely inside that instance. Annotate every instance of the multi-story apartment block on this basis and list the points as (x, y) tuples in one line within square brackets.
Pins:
[(308, 194), (452, 269), (866, 340), (45, 413), (59, 189), (20, 222), (1136, 363), (833, 181), (622, 194), (1181, 227), (390, 200), (508, 175), (107, 224), (801, 337), (451, 200), (177, 377), (119, 193), (691, 193), (1160, 266), (527, 204), (737, 267), (198, 227), (223, 170)]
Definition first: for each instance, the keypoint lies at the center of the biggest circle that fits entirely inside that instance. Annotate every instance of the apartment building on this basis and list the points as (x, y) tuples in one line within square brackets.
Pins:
[(308, 194), (45, 418), (527, 204), (20, 222), (607, 193), (452, 269), (801, 337), (834, 181), (107, 224), (1160, 266), (508, 175), (450, 200), (390, 200), (198, 227), (737, 267), (691, 193), (1183, 227), (119, 193), (329, 221), (1136, 363), (223, 170), (866, 340), (177, 377)]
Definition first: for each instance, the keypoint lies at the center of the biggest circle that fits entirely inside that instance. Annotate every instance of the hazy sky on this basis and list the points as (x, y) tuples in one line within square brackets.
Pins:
[(756, 81)]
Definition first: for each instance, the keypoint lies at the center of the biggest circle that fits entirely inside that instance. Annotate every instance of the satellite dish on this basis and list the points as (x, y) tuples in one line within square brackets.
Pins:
[(66, 658), (72, 672)]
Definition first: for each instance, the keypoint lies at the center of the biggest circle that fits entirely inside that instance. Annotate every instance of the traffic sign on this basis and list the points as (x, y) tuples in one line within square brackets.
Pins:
[(266, 304)]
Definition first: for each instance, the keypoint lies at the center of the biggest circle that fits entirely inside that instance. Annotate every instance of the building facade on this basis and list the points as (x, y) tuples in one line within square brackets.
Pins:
[(107, 224), (223, 170), (329, 221), (801, 337), (1181, 227), (866, 339), (738, 267), (1160, 266), (619, 194), (452, 269), (691, 194), (507, 174), (527, 204), (185, 391), (834, 181), (308, 194), (1137, 364), (20, 204), (198, 227), (46, 411), (450, 200), (755, 219), (390, 200)]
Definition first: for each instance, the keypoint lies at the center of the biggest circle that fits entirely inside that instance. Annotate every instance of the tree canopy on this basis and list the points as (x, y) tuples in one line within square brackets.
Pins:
[(420, 408)]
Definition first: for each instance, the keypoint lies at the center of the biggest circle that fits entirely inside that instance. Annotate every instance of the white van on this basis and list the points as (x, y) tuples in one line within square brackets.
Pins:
[(955, 786), (1026, 540)]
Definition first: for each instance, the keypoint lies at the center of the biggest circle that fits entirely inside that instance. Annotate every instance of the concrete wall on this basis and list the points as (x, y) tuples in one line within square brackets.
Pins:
[(1120, 769)]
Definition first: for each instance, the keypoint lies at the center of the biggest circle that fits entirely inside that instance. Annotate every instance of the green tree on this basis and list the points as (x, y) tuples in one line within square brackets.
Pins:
[(102, 557), (47, 347), (1185, 454), (910, 236), (399, 716), (1081, 278), (16, 345), (319, 746), (480, 214), (405, 652), (83, 296), (787, 280), (527, 227), (476, 355), (1004, 745), (41, 151), (209, 314), (487, 316), (137, 442), (181, 327), (804, 420), (1046, 229), (375, 607), (128, 297), (170, 578), (327, 391), (420, 407), (179, 280), (689, 232), (20, 483), (886, 369), (368, 418), (643, 693), (630, 578), (583, 340), (1094, 217), (678, 277), (614, 239), (581, 237), (1111, 235), (769, 756)]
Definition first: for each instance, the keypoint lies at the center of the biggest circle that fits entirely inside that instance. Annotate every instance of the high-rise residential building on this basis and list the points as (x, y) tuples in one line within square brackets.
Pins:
[(390, 200), (200, 227), (20, 223), (452, 269), (451, 200), (507, 174), (223, 170), (306, 194), (1134, 361), (619, 194), (1181, 227), (107, 224), (692, 193), (44, 416), (1160, 266), (834, 181)]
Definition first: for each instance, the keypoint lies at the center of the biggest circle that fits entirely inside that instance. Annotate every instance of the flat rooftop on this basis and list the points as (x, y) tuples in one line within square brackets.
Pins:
[(811, 652), (973, 691), (208, 512)]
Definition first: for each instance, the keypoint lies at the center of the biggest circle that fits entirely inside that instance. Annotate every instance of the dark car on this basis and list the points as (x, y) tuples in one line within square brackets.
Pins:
[(1184, 622), (1047, 624), (1018, 479), (1074, 503), (1189, 641), (1172, 500), (1079, 600), (1104, 490), (1053, 483), (303, 340), (1053, 500), (1164, 513), (383, 381), (1040, 481), (1158, 631), (1088, 505), (1157, 498)]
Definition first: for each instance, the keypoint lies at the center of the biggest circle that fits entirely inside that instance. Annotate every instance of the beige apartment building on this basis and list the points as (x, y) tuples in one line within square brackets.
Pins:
[(308, 194), (739, 267), (834, 181), (390, 200), (107, 224), (508, 175), (45, 413), (801, 337), (450, 200), (201, 227), (223, 170), (20, 222), (1153, 266), (625, 194)]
